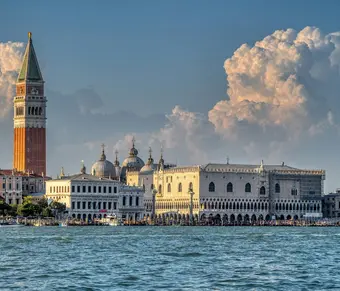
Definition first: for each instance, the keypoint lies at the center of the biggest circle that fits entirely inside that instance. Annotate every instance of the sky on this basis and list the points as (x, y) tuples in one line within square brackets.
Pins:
[(207, 80)]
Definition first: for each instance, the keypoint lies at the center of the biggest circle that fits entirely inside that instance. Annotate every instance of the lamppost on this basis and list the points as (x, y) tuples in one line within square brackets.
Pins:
[(154, 192), (191, 193)]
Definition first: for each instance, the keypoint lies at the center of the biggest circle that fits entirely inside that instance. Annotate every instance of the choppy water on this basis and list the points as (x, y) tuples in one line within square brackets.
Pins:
[(170, 258)]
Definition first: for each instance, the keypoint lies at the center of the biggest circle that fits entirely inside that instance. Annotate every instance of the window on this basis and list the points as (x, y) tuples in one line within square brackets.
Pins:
[(110, 189), (73, 204), (89, 205), (104, 205), (18, 201), (94, 189), (109, 205), (78, 205), (130, 202), (211, 187), (114, 205), (180, 187), (99, 205), (84, 205), (89, 189), (94, 205), (169, 188), (104, 189), (294, 191), (10, 186), (191, 187), (99, 189), (277, 188), (78, 189), (9, 201), (248, 188), (160, 189), (84, 189), (262, 190), (137, 201), (3, 186), (114, 189), (230, 187), (124, 201)]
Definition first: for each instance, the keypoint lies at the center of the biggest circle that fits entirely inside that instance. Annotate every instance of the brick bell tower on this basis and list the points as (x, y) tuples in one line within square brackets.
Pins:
[(30, 116)]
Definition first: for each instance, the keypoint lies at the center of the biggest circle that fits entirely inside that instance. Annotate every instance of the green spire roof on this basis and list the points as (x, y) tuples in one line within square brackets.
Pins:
[(30, 70)]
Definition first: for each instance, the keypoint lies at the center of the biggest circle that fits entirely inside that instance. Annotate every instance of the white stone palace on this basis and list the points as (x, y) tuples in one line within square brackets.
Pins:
[(227, 193), (89, 197)]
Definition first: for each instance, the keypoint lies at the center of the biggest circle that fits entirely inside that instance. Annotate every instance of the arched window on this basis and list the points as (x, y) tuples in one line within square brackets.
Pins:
[(130, 202), (160, 189), (262, 190), (230, 187), (211, 187), (40, 110), (124, 200), (169, 187), (248, 188), (36, 111), (180, 187), (29, 110), (277, 188), (294, 192), (191, 188)]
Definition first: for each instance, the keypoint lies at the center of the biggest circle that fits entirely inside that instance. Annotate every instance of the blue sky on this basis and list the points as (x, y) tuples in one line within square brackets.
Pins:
[(137, 60)]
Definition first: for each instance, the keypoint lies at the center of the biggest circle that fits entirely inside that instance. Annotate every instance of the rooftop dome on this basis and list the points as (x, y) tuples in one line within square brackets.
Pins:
[(103, 168), (149, 167), (132, 162)]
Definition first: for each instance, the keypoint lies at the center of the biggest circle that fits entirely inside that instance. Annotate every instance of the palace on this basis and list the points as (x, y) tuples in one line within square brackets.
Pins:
[(224, 193), (89, 197), (30, 116)]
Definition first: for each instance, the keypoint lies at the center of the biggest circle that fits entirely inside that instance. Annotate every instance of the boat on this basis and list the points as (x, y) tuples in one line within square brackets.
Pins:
[(112, 220), (63, 224)]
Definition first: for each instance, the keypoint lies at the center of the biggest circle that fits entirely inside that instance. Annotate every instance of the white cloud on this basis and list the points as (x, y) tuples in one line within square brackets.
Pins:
[(280, 83), (10, 60)]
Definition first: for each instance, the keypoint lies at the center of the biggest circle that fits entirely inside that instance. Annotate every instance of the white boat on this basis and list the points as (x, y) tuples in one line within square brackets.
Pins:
[(112, 220)]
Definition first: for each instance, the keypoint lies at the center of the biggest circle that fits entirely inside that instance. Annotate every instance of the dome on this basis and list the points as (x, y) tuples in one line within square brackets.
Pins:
[(149, 167), (132, 162), (103, 168)]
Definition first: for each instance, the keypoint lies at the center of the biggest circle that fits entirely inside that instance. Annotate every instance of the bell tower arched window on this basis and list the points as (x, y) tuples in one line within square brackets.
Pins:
[(211, 187)]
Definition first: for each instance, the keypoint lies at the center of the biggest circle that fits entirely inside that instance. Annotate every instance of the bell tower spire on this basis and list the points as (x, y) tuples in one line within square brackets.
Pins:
[(30, 115)]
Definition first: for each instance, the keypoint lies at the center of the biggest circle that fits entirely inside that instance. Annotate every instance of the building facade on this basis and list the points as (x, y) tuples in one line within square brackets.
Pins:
[(331, 205), (88, 197), (14, 186), (229, 193), (29, 153)]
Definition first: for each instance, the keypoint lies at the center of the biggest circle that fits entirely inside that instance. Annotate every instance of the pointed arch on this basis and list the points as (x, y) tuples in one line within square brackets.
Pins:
[(247, 188), (211, 187), (191, 187), (262, 190), (169, 188), (230, 187), (160, 189), (180, 187), (277, 188)]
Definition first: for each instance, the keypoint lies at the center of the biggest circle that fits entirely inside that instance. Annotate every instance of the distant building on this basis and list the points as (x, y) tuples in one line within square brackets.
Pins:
[(89, 197), (16, 185), (29, 152), (331, 205), (229, 192)]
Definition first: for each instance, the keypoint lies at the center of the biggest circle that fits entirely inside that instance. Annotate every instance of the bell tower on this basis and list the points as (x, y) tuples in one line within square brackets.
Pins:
[(30, 116)]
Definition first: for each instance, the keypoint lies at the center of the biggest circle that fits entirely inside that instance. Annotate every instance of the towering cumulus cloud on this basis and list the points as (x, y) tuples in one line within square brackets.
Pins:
[(288, 81), (10, 59)]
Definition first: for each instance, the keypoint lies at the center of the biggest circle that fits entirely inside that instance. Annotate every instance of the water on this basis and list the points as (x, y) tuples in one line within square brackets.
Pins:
[(169, 258)]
